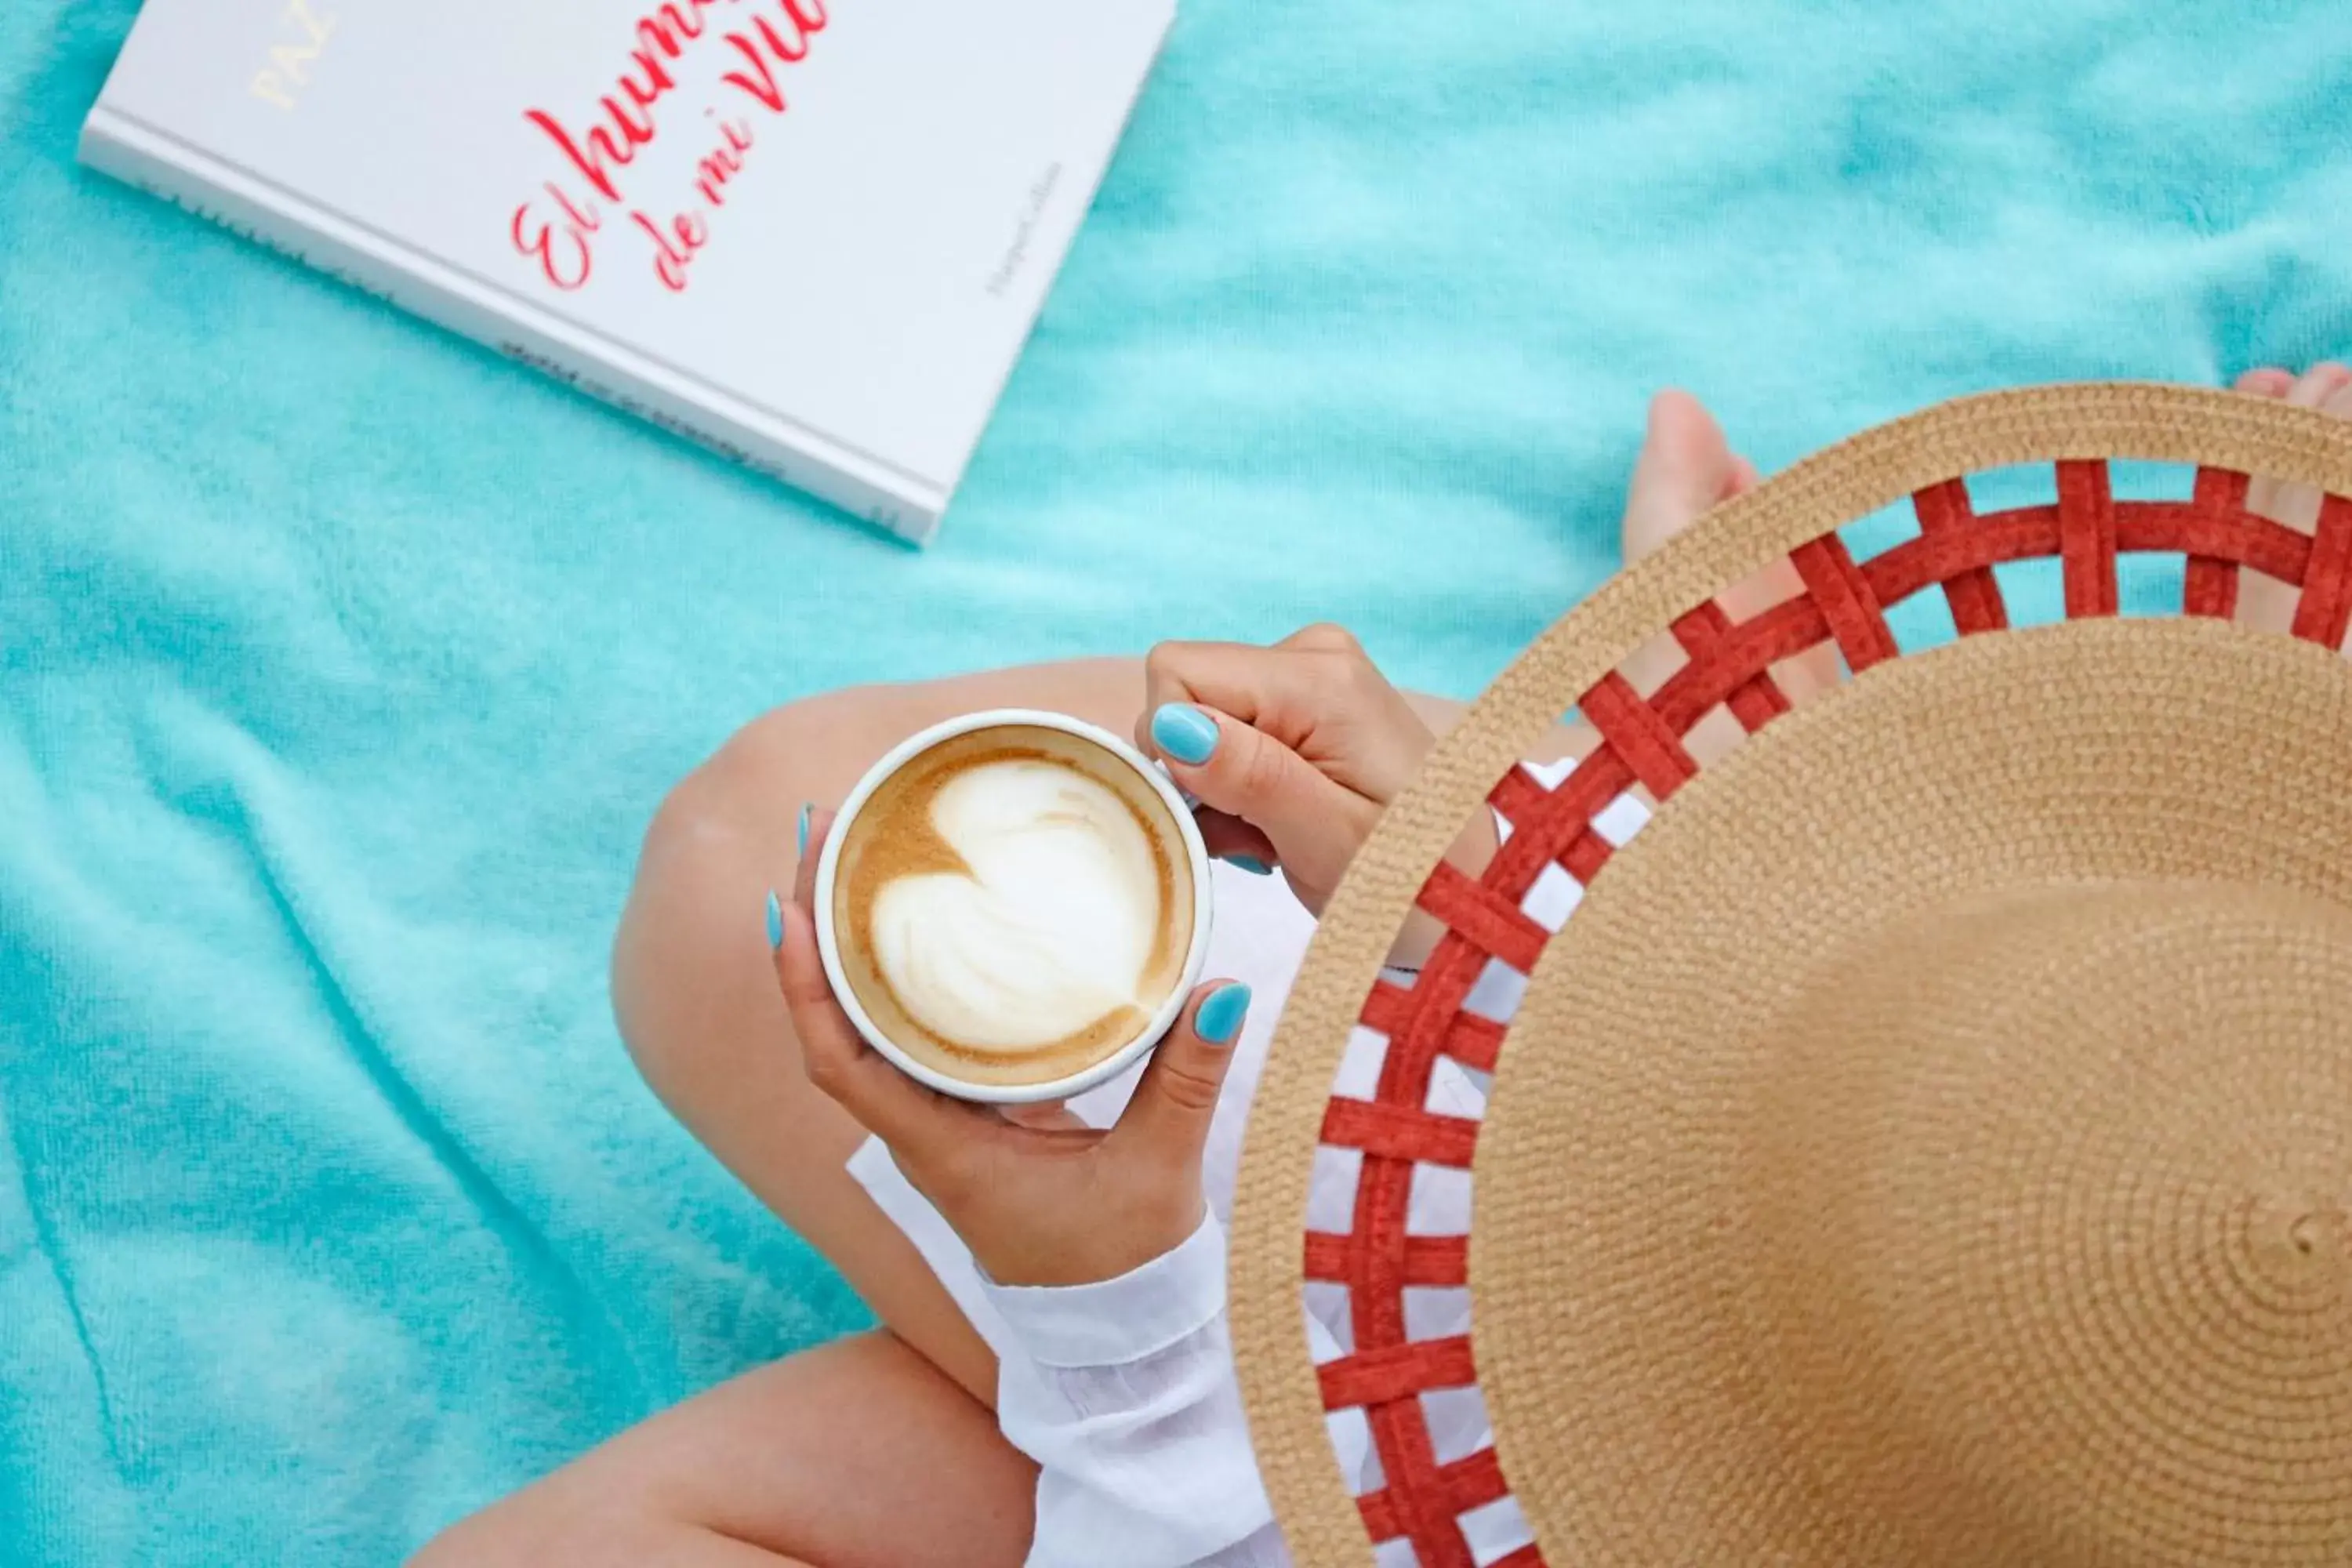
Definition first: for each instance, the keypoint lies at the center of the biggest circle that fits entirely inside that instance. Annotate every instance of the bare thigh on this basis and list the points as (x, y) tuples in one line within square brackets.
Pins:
[(798, 1462), (858, 1455), (696, 996)]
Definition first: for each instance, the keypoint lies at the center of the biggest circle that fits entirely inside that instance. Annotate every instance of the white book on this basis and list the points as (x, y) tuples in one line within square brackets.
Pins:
[(812, 233)]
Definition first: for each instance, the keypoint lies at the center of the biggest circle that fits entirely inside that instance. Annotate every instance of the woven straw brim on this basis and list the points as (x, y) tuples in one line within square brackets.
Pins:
[(1904, 1153), (2082, 725)]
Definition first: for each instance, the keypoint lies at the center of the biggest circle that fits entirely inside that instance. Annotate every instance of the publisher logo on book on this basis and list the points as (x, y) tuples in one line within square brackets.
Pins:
[(561, 227)]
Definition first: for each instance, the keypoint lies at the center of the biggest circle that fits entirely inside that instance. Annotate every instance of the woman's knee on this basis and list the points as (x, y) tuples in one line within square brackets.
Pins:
[(686, 956), (693, 987)]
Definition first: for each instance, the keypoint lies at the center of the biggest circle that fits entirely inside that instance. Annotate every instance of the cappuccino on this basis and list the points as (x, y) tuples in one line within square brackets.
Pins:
[(1013, 905)]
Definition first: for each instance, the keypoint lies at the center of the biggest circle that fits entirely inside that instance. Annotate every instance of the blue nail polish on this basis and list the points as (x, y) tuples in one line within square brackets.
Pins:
[(1184, 733), (775, 920), (1250, 863), (807, 810), (1220, 1017)]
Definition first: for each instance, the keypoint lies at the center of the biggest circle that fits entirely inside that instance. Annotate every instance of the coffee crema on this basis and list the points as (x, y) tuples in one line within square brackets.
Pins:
[(1013, 905)]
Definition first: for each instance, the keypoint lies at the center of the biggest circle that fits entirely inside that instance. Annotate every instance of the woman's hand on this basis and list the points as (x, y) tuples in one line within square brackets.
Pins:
[(1043, 1200), (1292, 752)]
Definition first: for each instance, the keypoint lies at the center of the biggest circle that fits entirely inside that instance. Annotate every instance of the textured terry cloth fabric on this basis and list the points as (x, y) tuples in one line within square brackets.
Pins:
[(341, 663)]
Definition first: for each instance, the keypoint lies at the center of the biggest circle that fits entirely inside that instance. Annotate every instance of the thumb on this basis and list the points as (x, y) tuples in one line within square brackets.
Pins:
[(1173, 1104), (1243, 771)]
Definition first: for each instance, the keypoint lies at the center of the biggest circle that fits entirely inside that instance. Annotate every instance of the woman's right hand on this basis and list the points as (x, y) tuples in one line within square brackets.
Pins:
[(1293, 751)]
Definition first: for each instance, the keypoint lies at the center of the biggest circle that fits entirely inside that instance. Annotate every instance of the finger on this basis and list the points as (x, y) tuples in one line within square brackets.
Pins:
[(1268, 687), (816, 821), (2316, 386), (1322, 637), (1168, 1119), (1277, 687), (1245, 773), (1046, 1116), (924, 1129), (1230, 839), (1325, 701), (2267, 382)]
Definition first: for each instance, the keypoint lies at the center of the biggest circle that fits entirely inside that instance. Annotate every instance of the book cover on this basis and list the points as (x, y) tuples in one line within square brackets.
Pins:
[(811, 234)]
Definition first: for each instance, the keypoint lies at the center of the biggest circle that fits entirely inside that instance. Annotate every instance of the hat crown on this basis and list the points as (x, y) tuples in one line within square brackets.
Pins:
[(1950, 1090), (2049, 1225)]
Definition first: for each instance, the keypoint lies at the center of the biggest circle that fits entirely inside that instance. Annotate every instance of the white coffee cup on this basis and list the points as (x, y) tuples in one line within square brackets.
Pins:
[(1196, 951)]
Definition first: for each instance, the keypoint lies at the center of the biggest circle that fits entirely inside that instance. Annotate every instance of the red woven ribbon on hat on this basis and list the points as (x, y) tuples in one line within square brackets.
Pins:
[(1729, 665)]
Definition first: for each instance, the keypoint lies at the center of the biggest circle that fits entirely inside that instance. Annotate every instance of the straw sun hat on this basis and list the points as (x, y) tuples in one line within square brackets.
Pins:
[(1930, 1140)]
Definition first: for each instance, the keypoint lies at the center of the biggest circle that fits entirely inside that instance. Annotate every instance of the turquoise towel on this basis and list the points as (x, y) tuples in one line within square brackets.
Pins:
[(341, 664)]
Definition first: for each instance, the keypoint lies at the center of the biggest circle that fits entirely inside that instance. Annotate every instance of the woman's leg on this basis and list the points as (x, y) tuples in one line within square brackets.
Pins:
[(815, 1439), (881, 1450), (2265, 601), (695, 995), (1687, 468), (858, 1455)]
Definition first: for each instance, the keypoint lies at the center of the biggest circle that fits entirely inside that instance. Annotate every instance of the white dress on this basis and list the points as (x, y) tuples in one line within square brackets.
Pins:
[(1124, 1392)]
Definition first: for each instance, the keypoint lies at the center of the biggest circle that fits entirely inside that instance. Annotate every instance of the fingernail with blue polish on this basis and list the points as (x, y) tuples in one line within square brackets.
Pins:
[(775, 920), (807, 809), (1250, 863), (1184, 733), (1220, 1017)]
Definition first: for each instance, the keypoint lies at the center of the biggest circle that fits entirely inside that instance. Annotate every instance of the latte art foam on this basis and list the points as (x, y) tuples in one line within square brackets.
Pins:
[(1013, 905), (1050, 923)]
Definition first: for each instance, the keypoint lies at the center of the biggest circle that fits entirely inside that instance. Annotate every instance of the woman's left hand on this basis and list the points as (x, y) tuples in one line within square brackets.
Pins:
[(1043, 1200)]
